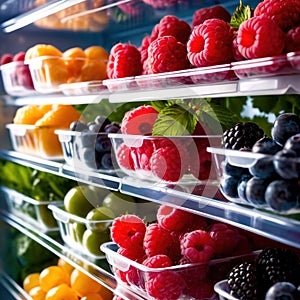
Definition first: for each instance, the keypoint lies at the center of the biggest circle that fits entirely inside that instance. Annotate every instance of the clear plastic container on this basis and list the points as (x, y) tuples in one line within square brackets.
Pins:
[(32, 211), (221, 288), (248, 165), (79, 150), (95, 87), (72, 229), (35, 140), (17, 80), (121, 84), (191, 276), (262, 67), (294, 60), (49, 72), (133, 154)]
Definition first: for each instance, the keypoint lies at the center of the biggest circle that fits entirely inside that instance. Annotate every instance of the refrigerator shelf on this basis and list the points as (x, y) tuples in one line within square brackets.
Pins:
[(204, 200), (97, 270)]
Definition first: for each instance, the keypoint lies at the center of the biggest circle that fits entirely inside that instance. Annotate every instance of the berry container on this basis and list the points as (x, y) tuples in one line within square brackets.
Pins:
[(39, 141), (72, 229), (95, 87), (82, 150), (162, 159), (221, 288), (121, 84), (262, 67), (17, 80), (236, 168), (189, 277), (294, 60), (30, 210), (49, 72)]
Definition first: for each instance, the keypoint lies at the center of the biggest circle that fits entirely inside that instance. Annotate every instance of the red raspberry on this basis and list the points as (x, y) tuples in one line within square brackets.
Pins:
[(161, 3), (124, 60), (157, 240), (173, 219), (243, 246), (139, 120), (144, 153), (210, 43), (144, 52), (285, 13), (260, 37), (292, 43), (20, 56), (226, 239), (124, 157), (236, 53), (166, 285), (158, 261), (166, 54), (128, 231), (214, 12), (137, 254), (171, 25), (169, 162), (197, 246), (5, 59)]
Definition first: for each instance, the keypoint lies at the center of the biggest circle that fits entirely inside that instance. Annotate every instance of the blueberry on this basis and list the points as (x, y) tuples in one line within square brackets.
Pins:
[(285, 126), (231, 170), (106, 161), (86, 155), (255, 191), (78, 126), (85, 139), (103, 143), (102, 121), (293, 143), (229, 185), (112, 128), (241, 188), (266, 145), (286, 164), (282, 291), (263, 168), (94, 127), (282, 195)]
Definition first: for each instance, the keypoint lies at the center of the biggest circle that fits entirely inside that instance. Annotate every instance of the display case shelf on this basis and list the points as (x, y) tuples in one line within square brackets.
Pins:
[(277, 227), (97, 270)]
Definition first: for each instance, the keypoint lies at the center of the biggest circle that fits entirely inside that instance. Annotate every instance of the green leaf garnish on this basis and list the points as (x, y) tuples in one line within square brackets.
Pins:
[(240, 14)]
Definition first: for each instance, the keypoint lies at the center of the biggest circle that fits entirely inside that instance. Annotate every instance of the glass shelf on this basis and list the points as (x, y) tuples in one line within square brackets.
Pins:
[(97, 270), (277, 227)]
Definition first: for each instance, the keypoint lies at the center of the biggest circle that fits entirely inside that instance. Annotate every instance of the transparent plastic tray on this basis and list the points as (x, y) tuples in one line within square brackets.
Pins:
[(72, 228), (193, 274), (95, 87), (35, 140), (31, 210), (245, 160), (17, 80), (262, 67), (195, 166), (294, 59), (79, 150), (221, 288), (49, 72)]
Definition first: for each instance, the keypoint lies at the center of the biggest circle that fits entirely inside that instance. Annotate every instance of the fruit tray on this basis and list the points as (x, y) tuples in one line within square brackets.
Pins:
[(143, 157), (213, 74), (243, 180), (82, 235), (190, 276), (263, 67), (49, 72), (294, 59), (17, 80), (32, 211), (82, 150), (221, 288), (94, 87), (39, 141)]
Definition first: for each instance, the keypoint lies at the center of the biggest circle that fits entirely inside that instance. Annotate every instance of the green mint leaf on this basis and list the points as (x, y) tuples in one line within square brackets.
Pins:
[(174, 120), (240, 14)]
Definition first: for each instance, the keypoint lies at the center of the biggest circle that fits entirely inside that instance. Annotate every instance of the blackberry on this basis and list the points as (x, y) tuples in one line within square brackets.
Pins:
[(243, 283), (277, 265), (242, 135)]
